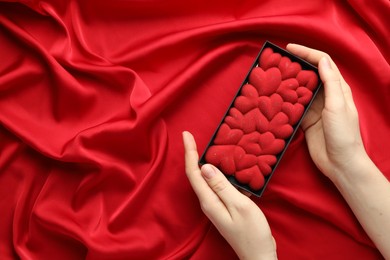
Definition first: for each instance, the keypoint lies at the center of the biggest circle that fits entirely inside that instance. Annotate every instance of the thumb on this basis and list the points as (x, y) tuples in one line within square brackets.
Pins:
[(217, 181), (334, 96)]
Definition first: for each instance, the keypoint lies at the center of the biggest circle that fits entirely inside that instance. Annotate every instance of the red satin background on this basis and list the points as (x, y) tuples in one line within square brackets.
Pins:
[(94, 96)]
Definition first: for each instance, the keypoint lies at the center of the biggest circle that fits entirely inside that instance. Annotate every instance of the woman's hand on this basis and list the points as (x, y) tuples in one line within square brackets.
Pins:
[(333, 136), (331, 125), (237, 217)]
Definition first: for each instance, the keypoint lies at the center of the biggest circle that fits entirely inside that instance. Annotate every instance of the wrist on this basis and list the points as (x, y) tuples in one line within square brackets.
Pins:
[(266, 256), (355, 171), (265, 251), (270, 256)]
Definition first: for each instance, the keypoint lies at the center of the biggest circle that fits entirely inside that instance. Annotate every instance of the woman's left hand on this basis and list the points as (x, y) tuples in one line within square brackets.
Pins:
[(236, 216)]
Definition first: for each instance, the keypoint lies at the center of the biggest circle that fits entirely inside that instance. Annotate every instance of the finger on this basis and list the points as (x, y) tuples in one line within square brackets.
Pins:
[(311, 55), (314, 56), (315, 139), (334, 96), (190, 153), (228, 194), (207, 198), (314, 113), (246, 193), (192, 170)]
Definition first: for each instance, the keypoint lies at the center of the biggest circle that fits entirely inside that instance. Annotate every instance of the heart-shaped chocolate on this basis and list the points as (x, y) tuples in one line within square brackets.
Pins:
[(264, 56), (280, 127), (228, 136), (245, 104), (248, 90), (270, 145), (250, 143), (270, 106), (266, 82), (289, 95), (308, 78), (265, 163), (251, 176), (254, 120), (268, 159), (259, 120), (235, 119), (289, 69), (291, 84), (243, 160), (222, 156), (287, 90), (269, 59), (247, 100), (251, 121), (304, 95), (294, 112)]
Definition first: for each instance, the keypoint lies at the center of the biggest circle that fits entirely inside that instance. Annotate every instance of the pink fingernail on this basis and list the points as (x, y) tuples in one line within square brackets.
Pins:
[(208, 171), (326, 63)]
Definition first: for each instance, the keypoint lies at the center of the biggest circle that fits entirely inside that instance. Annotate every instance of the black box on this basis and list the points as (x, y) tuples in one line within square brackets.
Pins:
[(285, 96)]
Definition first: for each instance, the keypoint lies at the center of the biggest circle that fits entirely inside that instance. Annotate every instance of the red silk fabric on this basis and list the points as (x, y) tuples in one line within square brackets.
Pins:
[(94, 96)]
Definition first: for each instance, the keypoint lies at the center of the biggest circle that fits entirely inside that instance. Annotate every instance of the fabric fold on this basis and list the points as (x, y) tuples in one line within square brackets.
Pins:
[(94, 96)]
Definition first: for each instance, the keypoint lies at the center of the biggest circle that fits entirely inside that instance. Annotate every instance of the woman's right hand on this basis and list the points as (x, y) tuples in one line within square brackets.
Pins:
[(333, 136), (331, 125)]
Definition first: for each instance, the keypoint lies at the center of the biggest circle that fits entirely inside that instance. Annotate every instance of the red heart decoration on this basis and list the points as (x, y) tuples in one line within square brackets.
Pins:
[(270, 145), (289, 69), (270, 106), (265, 163), (279, 126), (250, 143), (245, 104), (251, 176), (265, 54), (227, 136), (308, 78), (287, 90), (247, 99), (268, 159), (266, 82), (291, 84), (289, 95), (264, 168), (248, 90), (254, 120), (222, 156), (269, 59), (243, 160), (294, 112), (235, 118), (259, 120), (304, 95)]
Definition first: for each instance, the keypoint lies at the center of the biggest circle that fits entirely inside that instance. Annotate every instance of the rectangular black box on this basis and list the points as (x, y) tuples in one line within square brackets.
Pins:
[(305, 66)]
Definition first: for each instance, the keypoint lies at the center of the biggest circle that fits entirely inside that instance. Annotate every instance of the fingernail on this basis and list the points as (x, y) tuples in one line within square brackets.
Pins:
[(326, 63), (208, 171)]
